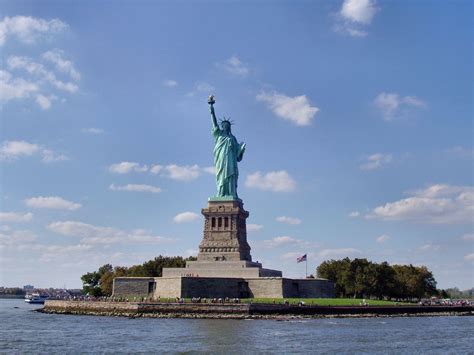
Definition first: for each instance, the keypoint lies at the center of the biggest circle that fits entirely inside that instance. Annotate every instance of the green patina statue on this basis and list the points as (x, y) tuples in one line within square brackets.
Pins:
[(227, 152)]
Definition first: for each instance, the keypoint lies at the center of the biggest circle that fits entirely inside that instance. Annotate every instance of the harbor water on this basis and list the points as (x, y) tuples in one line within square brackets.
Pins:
[(24, 331)]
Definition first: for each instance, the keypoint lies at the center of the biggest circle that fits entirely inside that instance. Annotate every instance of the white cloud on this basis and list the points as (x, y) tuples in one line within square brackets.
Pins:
[(52, 202), (354, 214), (383, 238), (376, 161), (210, 170), (155, 169), (15, 217), (16, 149), (338, 253), (93, 130), (185, 217), (50, 157), (280, 241), (277, 181), (126, 167), (36, 80), (437, 204), (355, 16), (56, 56), (16, 237), (204, 87), (469, 236), (29, 29), (461, 152), (234, 66), (45, 101), (361, 11), (288, 220), (296, 109), (170, 83), (11, 150), (429, 247), (252, 227), (136, 188), (469, 257), (39, 71), (171, 171), (190, 252), (91, 234), (392, 105), (15, 88), (183, 173)]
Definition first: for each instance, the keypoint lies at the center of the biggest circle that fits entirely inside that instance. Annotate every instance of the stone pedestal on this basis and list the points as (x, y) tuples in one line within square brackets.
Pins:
[(225, 232)]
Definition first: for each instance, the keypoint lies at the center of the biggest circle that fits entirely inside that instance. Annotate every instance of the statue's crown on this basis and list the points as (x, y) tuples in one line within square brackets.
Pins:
[(226, 120)]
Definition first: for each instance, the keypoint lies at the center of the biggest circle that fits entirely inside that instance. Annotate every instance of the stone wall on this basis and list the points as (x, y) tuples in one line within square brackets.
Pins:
[(214, 287), (265, 287), (132, 286), (168, 287)]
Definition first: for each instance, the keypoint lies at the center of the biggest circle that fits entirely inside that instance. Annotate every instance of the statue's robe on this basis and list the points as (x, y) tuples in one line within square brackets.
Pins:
[(227, 152)]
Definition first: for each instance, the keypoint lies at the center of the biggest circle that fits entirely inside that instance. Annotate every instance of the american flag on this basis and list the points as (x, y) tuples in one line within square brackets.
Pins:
[(301, 259)]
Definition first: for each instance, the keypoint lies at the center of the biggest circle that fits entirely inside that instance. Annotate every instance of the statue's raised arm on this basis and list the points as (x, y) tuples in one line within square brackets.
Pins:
[(211, 103)]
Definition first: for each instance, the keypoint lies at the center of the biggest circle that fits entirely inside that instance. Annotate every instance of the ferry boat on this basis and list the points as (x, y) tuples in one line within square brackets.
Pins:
[(36, 298)]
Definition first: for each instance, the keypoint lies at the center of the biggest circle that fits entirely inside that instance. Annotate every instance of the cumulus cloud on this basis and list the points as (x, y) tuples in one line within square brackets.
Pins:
[(52, 202), (354, 17), (277, 181), (461, 152), (297, 109), (126, 167), (185, 217), (39, 71), (29, 29), (16, 237), (354, 214), (11, 150), (15, 88), (392, 105), (171, 171), (16, 149), (383, 238), (234, 66), (15, 217), (376, 161), (252, 227), (437, 204), (338, 253), (92, 234), (288, 220), (469, 257), (170, 83), (429, 247), (56, 56), (183, 173), (30, 79), (280, 241), (136, 188), (469, 236), (93, 130)]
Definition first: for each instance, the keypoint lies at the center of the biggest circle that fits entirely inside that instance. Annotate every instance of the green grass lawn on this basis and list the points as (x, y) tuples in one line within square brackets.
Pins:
[(322, 301)]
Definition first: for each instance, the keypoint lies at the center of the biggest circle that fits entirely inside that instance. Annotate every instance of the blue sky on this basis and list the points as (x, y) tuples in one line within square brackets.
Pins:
[(357, 117)]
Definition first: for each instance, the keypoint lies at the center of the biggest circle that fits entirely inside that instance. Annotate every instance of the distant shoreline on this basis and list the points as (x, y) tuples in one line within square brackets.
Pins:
[(244, 311)]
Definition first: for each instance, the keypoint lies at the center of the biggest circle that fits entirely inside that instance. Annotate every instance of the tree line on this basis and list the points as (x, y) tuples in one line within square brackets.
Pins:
[(360, 278), (99, 283)]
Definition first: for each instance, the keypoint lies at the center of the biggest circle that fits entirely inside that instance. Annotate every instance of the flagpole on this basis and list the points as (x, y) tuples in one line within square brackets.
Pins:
[(306, 274)]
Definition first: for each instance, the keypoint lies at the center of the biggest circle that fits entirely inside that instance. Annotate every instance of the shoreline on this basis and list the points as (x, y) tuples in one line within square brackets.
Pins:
[(244, 311)]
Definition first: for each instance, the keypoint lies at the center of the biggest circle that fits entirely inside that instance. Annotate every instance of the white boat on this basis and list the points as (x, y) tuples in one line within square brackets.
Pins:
[(36, 298)]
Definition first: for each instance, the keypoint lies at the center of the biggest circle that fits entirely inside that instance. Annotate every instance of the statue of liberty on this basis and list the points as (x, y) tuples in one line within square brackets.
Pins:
[(227, 152)]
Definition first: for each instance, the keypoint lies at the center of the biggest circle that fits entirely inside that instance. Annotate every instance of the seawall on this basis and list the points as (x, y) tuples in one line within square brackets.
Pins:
[(242, 310)]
